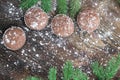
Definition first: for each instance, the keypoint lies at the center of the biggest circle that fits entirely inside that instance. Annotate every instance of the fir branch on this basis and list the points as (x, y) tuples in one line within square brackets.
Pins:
[(32, 78), (46, 5), (112, 67), (109, 71), (79, 75), (74, 7), (118, 1), (98, 71), (67, 71), (52, 74), (25, 4), (62, 7)]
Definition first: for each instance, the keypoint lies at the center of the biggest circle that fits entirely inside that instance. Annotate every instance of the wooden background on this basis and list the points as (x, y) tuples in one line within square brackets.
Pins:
[(44, 49)]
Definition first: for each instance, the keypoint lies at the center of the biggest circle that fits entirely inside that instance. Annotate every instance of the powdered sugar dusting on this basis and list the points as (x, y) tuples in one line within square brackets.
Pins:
[(34, 24), (44, 49)]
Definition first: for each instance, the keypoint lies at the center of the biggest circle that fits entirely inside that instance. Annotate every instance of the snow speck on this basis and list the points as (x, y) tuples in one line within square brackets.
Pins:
[(2, 42), (23, 51), (33, 39), (7, 40), (34, 24), (41, 43), (37, 55), (26, 28), (34, 49), (13, 42), (118, 48), (7, 65)]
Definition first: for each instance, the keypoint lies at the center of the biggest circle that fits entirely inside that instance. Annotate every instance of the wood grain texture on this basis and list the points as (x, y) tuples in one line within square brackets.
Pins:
[(44, 49)]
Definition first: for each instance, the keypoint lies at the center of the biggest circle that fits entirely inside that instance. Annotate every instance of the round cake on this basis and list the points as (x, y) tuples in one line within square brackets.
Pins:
[(14, 38), (88, 20), (35, 18), (62, 25)]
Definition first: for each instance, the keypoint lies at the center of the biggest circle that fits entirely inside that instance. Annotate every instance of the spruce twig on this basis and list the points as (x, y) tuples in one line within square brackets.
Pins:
[(62, 7), (25, 4), (119, 1), (32, 78), (98, 71), (75, 6), (109, 71), (67, 71), (112, 67), (52, 74), (79, 75), (46, 5)]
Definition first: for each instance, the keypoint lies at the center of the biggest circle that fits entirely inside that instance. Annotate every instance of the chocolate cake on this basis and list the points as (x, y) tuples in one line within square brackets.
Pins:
[(14, 38), (35, 18), (62, 25)]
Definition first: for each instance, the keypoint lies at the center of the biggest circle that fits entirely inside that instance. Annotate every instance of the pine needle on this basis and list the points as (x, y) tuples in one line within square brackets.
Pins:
[(25, 4), (52, 74), (62, 7), (112, 67), (109, 71), (79, 75), (119, 1), (75, 6), (98, 71), (46, 5), (67, 71), (102, 73), (32, 78)]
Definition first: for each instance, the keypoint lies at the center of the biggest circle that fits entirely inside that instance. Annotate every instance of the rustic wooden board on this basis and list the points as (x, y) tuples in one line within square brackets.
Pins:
[(44, 49)]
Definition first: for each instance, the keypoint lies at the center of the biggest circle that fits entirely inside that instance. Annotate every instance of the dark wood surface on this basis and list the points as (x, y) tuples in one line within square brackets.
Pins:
[(43, 49)]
